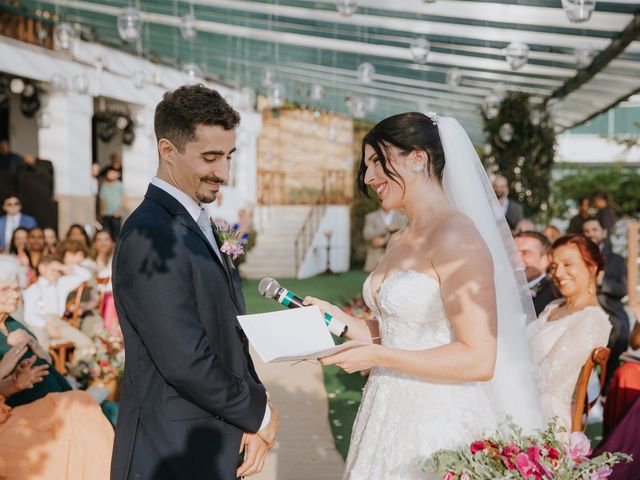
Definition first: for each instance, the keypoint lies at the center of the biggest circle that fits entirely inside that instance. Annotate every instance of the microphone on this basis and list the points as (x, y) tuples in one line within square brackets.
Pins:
[(270, 288)]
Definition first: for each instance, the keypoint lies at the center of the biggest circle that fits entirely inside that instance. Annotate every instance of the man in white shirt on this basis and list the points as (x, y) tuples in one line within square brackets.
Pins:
[(45, 303), (513, 211), (12, 220)]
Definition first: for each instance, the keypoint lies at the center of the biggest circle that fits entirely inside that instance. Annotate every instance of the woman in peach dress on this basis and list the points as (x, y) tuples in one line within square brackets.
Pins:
[(62, 436)]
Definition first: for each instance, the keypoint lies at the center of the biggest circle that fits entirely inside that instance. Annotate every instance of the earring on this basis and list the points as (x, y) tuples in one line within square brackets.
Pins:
[(417, 168)]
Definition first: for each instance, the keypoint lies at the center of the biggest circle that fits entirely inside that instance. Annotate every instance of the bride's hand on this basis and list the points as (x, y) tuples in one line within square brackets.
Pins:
[(325, 307), (356, 359)]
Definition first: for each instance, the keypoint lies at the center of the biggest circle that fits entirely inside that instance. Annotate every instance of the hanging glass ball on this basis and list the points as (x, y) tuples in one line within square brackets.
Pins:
[(420, 48), (371, 103), (16, 85), (492, 106), (58, 82), (268, 77), (192, 73), (316, 92), (517, 55), (42, 34), (578, 10), (346, 8), (43, 119), (188, 27), (506, 132), (138, 79), (535, 117), (358, 107), (500, 91), (454, 77), (81, 83), (129, 24), (366, 71), (276, 96), (63, 36), (487, 149), (584, 55)]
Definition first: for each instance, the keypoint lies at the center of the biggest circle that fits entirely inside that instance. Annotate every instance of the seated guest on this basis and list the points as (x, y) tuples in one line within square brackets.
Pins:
[(552, 233), (102, 254), (534, 250), (605, 214), (612, 288), (35, 246), (9, 161), (13, 219), (569, 329), (50, 241), (45, 302), (74, 253), (575, 225), (13, 334), (19, 246), (625, 385), (77, 232), (60, 436)]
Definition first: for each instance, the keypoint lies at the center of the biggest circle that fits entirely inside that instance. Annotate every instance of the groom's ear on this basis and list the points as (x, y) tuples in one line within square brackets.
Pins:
[(167, 150)]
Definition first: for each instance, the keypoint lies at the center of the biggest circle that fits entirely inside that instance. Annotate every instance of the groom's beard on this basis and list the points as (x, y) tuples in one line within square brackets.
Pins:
[(209, 197)]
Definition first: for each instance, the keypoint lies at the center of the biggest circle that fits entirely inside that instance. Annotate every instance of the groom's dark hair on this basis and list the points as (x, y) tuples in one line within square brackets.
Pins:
[(181, 111), (407, 131)]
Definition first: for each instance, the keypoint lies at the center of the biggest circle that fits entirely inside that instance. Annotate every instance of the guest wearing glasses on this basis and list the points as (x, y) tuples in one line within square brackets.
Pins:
[(13, 219)]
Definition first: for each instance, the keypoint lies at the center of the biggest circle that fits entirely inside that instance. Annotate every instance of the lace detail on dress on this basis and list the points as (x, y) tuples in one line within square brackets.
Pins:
[(403, 419)]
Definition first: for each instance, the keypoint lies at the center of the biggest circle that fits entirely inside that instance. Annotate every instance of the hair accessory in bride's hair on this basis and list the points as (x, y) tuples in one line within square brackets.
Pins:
[(434, 117)]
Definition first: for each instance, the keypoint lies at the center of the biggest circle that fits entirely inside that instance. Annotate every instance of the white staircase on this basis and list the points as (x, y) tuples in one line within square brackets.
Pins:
[(274, 252)]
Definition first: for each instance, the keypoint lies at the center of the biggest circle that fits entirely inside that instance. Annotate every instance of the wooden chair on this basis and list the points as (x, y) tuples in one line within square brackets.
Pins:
[(582, 405), (72, 308), (61, 354)]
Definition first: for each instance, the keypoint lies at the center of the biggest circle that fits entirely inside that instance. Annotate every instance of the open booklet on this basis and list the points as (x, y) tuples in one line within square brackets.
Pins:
[(291, 335)]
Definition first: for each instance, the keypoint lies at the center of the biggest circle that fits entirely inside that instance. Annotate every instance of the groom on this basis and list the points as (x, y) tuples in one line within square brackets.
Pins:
[(191, 398)]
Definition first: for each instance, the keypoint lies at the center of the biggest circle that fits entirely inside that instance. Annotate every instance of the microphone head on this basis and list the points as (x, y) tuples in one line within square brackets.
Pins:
[(268, 287)]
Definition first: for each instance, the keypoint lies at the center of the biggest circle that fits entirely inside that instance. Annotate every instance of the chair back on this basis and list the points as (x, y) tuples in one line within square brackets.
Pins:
[(582, 405), (61, 354)]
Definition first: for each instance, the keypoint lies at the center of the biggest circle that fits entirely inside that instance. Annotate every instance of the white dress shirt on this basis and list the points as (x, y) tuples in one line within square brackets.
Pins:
[(195, 211), (45, 298), (536, 281)]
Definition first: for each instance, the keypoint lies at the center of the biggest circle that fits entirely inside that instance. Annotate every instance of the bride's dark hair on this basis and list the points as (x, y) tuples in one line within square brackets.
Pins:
[(408, 132)]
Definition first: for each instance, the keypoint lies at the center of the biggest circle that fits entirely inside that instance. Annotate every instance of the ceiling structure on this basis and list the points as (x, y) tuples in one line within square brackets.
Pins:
[(307, 42)]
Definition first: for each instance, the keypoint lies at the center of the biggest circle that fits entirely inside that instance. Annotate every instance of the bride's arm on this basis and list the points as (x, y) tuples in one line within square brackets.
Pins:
[(359, 329), (465, 268)]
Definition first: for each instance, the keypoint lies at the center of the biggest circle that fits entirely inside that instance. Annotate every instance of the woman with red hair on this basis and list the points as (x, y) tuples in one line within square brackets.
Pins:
[(570, 328)]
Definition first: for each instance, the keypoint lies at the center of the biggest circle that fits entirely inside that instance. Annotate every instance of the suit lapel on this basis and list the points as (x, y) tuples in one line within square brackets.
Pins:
[(176, 209)]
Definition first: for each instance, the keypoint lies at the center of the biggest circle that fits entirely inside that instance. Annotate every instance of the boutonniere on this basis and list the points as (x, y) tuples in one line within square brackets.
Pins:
[(229, 238), (535, 289)]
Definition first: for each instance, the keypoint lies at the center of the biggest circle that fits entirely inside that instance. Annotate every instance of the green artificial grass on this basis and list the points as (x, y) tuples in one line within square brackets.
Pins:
[(344, 390)]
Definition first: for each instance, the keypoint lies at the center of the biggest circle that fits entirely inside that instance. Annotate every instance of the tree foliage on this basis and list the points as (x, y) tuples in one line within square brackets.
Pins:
[(621, 182), (527, 159)]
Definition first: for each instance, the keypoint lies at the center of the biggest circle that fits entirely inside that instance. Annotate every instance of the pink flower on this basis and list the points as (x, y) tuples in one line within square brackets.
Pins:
[(552, 453), (465, 476), (450, 476), (534, 454), (507, 455), (526, 467), (579, 447), (233, 250), (602, 472)]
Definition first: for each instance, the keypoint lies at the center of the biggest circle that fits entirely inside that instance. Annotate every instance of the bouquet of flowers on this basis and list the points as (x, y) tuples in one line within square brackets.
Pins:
[(232, 241), (106, 362), (509, 454)]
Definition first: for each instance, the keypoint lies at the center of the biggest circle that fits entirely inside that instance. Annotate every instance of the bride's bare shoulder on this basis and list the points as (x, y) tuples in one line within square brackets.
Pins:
[(456, 233)]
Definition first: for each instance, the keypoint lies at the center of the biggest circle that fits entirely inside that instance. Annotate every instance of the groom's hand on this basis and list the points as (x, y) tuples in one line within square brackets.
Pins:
[(255, 451)]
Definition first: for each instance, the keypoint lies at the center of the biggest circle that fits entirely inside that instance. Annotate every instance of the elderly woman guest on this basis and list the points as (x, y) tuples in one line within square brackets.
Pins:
[(59, 435), (570, 328)]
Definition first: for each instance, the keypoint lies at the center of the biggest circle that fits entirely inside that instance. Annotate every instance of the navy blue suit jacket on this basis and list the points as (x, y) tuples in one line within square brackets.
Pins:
[(190, 389)]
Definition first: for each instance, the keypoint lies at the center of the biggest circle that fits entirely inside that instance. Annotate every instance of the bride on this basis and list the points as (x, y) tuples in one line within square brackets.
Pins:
[(450, 307)]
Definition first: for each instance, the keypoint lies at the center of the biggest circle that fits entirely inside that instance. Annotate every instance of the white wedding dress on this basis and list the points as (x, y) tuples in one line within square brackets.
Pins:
[(403, 419)]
